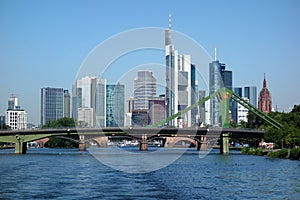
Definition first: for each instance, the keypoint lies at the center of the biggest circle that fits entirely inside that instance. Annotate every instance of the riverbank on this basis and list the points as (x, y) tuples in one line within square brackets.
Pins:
[(293, 153)]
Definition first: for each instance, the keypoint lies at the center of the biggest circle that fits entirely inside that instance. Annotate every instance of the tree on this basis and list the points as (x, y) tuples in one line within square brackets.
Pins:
[(55, 142)]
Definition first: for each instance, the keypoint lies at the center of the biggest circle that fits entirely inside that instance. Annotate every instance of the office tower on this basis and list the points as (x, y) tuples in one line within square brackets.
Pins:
[(219, 77), (178, 82), (202, 107), (16, 118), (67, 104), (234, 110), (144, 89), (89, 93), (157, 110), (265, 100), (115, 105), (100, 103), (250, 92), (52, 104)]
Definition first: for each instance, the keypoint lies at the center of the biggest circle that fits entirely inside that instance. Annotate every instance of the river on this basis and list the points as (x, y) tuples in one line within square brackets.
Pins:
[(69, 174)]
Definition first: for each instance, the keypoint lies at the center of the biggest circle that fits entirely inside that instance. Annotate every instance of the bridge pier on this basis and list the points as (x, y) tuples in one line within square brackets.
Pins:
[(144, 143), (20, 147), (202, 145), (224, 148), (81, 145)]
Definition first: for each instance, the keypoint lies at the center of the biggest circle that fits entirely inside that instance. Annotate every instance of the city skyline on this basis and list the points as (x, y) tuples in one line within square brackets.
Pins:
[(47, 50)]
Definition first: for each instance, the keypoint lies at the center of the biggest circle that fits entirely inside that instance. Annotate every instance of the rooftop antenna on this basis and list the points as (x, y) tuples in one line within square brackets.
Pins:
[(170, 21), (215, 50)]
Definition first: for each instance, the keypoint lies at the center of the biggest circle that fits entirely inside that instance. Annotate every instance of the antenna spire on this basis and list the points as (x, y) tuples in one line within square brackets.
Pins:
[(215, 51), (170, 21)]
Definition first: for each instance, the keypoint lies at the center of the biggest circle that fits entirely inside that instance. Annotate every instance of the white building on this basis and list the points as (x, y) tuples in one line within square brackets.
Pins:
[(89, 101), (242, 112), (86, 117), (16, 118)]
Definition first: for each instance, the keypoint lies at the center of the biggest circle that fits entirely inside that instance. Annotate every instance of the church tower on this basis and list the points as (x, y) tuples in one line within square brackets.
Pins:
[(264, 99)]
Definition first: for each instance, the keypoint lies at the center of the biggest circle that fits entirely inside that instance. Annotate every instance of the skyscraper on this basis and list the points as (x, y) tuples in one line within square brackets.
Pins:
[(115, 105), (250, 92), (178, 81), (219, 77), (144, 89), (52, 104), (157, 111), (234, 112), (265, 100), (202, 107), (89, 98), (67, 104)]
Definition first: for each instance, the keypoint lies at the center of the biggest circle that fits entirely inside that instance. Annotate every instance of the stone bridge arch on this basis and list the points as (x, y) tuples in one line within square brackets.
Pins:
[(171, 141), (101, 141)]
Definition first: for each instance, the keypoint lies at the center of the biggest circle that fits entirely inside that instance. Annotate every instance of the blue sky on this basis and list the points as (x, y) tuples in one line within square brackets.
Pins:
[(43, 43)]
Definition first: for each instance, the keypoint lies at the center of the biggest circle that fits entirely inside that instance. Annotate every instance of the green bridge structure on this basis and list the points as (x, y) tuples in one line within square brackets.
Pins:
[(196, 135)]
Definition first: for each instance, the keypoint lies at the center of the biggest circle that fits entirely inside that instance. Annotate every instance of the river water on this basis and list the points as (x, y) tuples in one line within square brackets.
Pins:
[(69, 174)]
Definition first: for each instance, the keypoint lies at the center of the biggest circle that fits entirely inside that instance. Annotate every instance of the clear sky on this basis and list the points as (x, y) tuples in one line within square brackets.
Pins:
[(43, 43)]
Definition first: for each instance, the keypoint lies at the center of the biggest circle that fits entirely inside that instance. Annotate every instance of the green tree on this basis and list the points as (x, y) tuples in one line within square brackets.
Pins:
[(55, 142)]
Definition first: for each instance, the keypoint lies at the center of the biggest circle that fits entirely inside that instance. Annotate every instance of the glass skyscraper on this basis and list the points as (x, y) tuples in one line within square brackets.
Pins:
[(52, 104), (234, 110), (219, 77), (115, 105), (251, 93)]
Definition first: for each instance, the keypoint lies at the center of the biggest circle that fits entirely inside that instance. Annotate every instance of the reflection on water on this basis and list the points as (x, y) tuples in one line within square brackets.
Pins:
[(69, 174)]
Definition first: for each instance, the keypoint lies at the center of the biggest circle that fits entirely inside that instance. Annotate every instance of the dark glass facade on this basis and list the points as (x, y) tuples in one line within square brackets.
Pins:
[(115, 105), (52, 104)]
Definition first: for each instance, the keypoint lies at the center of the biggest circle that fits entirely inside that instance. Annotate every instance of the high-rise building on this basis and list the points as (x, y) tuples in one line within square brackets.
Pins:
[(144, 89), (16, 118), (234, 110), (67, 104), (115, 105), (219, 77), (250, 92), (157, 110), (139, 117), (265, 100), (178, 82), (100, 103), (52, 104), (89, 93)]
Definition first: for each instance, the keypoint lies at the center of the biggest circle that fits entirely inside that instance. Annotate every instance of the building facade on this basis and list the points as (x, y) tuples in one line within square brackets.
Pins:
[(144, 89), (16, 118), (115, 105), (242, 112), (157, 110), (52, 104), (265, 100), (219, 77), (67, 104), (250, 92), (179, 83), (89, 95)]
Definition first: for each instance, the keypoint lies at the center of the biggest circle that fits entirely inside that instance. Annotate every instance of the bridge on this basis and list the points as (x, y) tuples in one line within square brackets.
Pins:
[(156, 131)]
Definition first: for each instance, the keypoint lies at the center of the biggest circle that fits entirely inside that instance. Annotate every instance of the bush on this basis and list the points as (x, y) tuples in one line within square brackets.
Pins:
[(295, 154), (283, 153)]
